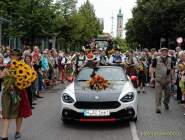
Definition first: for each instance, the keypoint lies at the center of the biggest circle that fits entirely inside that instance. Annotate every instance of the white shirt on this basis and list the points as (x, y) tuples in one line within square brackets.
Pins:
[(123, 59), (7, 60)]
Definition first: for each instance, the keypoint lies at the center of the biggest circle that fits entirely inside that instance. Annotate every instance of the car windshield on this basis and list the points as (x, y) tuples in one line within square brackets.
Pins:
[(109, 73)]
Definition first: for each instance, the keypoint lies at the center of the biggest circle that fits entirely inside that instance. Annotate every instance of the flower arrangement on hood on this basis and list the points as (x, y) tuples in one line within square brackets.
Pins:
[(19, 75), (98, 82)]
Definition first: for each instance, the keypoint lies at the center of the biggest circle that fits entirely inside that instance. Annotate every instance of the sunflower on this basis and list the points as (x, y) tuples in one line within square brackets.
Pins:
[(14, 64), (32, 78), (28, 73), (19, 85), (21, 64), (20, 71), (28, 84), (24, 86), (34, 74), (20, 80), (26, 67), (26, 77), (18, 76)]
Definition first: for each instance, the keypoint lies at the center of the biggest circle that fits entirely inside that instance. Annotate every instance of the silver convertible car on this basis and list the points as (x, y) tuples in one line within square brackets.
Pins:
[(117, 102)]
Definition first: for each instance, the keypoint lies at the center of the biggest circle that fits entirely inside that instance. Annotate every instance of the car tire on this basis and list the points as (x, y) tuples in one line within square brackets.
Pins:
[(134, 119), (66, 121)]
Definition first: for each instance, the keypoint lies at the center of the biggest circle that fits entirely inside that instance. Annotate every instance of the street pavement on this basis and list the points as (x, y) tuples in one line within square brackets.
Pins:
[(45, 124), (170, 125)]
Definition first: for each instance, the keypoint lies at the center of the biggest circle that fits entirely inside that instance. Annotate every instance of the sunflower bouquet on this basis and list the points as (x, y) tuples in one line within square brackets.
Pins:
[(97, 82), (20, 75)]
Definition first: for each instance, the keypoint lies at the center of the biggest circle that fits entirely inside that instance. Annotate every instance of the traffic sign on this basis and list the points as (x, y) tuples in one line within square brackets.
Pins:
[(179, 40)]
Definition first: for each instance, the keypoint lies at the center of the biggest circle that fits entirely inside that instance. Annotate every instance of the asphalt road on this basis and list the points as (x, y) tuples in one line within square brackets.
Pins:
[(45, 124)]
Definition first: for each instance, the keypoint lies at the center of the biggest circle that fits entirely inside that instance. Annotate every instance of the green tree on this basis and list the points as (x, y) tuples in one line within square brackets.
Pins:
[(121, 43), (34, 20), (80, 27), (156, 19), (91, 25), (67, 7)]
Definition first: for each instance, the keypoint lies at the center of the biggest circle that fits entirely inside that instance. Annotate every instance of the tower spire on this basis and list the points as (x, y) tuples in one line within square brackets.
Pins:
[(119, 24)]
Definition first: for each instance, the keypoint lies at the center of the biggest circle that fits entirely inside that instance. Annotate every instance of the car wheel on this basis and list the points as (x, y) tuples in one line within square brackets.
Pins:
[(134, 119), (66, 121)]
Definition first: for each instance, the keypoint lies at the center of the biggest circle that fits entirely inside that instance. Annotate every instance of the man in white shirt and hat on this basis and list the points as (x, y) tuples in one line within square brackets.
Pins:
[(164, 75)]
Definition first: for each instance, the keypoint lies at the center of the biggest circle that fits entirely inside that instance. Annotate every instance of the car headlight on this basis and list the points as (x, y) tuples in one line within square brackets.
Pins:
[(67, 98), (128, 97)]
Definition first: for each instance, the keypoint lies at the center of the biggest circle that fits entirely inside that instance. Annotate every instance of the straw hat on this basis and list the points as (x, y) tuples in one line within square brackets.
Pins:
[(164, 49)]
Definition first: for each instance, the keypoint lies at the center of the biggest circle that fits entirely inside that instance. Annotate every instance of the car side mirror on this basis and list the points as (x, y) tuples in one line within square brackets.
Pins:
[(133, 78)]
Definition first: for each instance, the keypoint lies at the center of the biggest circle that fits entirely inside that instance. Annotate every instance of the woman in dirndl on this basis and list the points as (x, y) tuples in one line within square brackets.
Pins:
[(15, 103)]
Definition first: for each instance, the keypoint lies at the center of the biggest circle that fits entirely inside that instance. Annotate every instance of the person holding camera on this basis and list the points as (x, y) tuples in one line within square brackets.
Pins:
[(164, 76)]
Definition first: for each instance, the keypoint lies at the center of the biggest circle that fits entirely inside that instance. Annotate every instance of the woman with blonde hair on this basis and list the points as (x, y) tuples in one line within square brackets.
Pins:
[(15, 103)]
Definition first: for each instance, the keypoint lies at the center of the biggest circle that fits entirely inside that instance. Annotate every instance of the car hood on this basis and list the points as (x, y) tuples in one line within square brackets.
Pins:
[(112, 93)]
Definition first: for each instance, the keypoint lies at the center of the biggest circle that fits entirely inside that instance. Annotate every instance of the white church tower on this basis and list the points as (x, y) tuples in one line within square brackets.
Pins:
[(119, 24)]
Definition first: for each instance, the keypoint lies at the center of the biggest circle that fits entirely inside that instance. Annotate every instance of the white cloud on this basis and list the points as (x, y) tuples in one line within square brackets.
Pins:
[(107, 8)]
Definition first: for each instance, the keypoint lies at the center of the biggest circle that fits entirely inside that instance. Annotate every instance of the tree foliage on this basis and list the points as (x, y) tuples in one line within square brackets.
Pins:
[(33, 20), (121, 43), (156, 19), (91, 26)]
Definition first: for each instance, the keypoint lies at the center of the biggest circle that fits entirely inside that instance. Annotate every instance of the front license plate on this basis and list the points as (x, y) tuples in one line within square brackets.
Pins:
[(96, 113)]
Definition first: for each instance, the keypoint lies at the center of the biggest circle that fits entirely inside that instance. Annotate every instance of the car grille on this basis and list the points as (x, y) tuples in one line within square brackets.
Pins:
[(97, 105)]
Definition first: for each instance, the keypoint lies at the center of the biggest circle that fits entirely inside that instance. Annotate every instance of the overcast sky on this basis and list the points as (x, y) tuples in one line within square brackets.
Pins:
[(107, 8)]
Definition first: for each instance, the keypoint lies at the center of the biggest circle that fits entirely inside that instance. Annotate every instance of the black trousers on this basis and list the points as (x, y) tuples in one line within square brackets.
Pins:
[(179, 93)]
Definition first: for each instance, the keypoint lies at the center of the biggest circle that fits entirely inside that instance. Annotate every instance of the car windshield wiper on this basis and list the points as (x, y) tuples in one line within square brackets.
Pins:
[(81, 80), (123, 80)]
